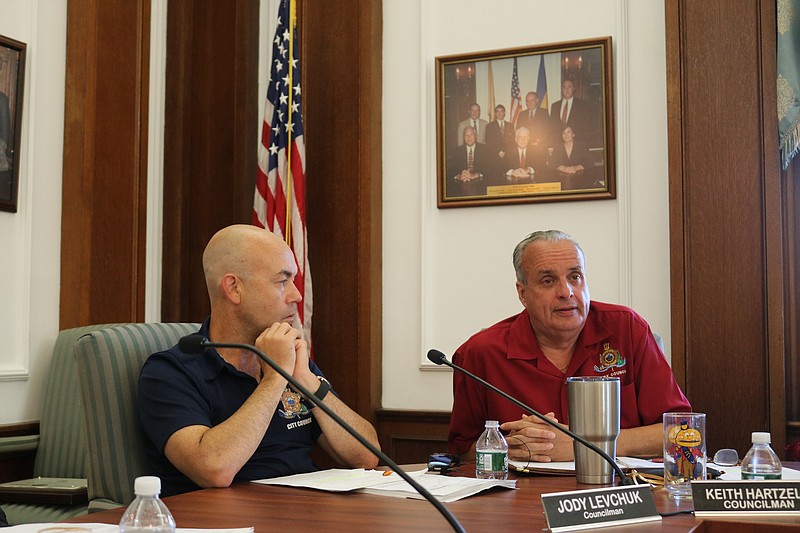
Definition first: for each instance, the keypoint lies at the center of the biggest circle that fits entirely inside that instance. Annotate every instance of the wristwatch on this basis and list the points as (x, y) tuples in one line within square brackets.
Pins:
[(322, 391)]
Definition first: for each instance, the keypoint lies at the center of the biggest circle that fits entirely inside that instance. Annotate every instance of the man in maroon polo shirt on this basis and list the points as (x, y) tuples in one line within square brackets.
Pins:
[(560, 334)]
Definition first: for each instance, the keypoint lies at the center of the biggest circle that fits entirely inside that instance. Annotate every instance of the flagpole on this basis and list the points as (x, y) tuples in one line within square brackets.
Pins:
[(290, 124), (491, 94)]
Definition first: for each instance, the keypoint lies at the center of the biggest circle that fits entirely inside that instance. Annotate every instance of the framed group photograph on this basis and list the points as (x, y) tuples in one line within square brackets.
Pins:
[(12, 78), (523, 125)]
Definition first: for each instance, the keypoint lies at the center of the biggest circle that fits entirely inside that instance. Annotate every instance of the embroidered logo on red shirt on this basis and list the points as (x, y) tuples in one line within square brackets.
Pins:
[(610, 358)]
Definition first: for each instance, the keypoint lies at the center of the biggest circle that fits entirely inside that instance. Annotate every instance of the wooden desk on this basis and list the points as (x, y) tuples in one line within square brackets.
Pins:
[(273, 508)]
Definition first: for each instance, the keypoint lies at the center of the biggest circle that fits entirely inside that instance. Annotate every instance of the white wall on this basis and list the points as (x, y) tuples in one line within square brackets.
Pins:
[(30, 239), (447, 273)]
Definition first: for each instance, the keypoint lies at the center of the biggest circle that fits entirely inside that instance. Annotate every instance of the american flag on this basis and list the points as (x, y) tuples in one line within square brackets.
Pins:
[(516, 100), (276, 192)]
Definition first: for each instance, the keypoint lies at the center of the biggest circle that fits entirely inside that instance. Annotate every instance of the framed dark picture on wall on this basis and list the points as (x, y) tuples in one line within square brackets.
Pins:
[(12, 78), (523, 125)]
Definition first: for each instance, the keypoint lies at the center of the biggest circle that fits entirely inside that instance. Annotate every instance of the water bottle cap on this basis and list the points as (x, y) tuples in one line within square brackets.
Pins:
[(147, 486), (492, 424), (761, 437)]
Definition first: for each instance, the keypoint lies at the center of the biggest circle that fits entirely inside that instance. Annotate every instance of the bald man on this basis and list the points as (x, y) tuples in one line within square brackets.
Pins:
[(224, 415)]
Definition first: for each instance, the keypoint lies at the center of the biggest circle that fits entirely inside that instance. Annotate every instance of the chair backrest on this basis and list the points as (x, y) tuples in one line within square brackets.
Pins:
[(109, 362), (60, 445), (61, 450)]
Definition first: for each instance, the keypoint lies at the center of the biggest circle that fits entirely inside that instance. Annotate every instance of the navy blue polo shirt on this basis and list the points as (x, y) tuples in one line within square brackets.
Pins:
[(177, 390)]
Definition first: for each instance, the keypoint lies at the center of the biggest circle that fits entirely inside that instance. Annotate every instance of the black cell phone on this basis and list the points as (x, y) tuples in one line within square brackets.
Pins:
[(442, 462)]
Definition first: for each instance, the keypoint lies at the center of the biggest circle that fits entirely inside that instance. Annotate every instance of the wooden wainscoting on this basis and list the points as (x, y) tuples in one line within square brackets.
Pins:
[(409, 437)]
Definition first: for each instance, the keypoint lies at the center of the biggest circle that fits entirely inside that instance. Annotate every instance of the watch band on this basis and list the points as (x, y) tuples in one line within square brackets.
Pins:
[(322, 391)]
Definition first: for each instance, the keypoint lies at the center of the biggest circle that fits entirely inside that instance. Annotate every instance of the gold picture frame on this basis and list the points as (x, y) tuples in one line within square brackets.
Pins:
[(12, 80), (540, 150)]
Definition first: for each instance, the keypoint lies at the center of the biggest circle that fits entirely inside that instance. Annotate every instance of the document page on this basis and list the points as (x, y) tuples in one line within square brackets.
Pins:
[(388, 483), (568, 467)]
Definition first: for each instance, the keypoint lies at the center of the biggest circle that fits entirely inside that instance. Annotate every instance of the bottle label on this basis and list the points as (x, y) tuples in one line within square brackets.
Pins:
[(753, 475), (494, 461)]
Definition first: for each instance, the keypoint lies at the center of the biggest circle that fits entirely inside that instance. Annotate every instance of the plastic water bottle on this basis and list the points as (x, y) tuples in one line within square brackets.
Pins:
[(147, 513), (761, 462), (491, 453)]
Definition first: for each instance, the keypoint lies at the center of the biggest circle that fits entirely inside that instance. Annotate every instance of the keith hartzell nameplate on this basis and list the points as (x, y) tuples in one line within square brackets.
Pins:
[(746, 497), (609, 506)]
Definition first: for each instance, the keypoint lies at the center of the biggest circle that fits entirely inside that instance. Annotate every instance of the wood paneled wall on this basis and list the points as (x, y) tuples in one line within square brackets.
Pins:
[(410, 437), (210, 140), (726, 217), (104, 201)]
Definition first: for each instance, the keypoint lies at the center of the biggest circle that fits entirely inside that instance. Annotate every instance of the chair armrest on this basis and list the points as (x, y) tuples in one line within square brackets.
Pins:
[(19, 445)]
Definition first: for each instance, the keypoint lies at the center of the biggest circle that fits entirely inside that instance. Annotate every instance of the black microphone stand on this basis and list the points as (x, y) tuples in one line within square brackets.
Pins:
[(205, 343), (435, 356)]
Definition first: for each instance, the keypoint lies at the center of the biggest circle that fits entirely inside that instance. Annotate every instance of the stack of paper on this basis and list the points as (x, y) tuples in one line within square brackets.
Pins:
[(568, 467), (388, 483)]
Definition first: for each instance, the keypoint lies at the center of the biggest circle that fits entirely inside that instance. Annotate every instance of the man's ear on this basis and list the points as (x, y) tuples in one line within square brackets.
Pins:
[(231, 287), (521, 293)]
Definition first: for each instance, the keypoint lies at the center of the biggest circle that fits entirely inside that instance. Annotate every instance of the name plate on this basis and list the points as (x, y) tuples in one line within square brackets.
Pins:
[(608, 506), (714, 498)]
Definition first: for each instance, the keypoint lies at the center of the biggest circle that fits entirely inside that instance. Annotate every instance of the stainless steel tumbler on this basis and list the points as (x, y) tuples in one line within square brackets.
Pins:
[(594, 415)]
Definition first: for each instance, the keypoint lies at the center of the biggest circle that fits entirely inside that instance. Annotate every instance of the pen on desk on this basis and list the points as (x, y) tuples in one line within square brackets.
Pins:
[(387, 473)]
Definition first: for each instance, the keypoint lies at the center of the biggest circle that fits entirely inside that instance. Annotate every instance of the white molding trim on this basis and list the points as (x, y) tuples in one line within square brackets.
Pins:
[(19, 368), (155, 160), (623, 127), (428, 186)]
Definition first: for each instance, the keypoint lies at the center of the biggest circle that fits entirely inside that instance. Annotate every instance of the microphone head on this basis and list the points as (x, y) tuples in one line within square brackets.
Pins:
[(435, 356), (194, 343)]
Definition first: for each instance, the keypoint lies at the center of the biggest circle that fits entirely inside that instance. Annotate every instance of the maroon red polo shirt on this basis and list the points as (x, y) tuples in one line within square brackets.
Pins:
[(615, 342)]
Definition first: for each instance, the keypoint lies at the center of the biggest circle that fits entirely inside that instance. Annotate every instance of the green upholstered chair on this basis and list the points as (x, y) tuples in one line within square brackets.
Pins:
[(109, 362), (60, 449)]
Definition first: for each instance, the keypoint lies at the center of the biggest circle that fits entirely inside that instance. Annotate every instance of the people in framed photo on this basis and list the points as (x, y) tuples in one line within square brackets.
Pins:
[(540, 123)]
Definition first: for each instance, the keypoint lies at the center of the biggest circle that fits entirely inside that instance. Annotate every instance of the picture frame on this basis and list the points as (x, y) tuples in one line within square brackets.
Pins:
[(566, 157), (12, 82)]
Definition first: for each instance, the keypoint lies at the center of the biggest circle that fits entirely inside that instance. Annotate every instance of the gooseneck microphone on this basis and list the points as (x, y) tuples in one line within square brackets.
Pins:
[(435, 356), (197, 343)]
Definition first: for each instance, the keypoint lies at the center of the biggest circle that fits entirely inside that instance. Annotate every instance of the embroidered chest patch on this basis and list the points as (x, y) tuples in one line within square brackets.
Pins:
[(610, 358), (292, 403)]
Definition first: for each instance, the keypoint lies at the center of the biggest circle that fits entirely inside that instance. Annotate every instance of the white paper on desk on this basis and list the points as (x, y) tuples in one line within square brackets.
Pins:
[(734, 473), (336, 479), (105, 528), (444, 488), (568, 467)]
